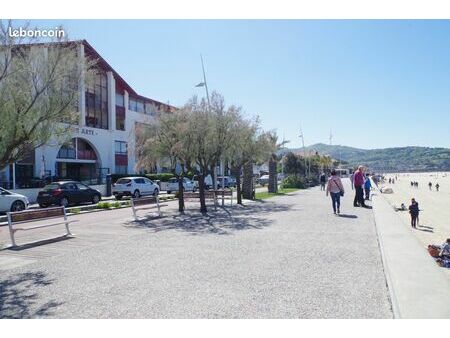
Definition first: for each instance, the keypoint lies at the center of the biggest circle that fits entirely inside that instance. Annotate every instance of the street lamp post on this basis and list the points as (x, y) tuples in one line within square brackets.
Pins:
[(304, 149), (205, 84)]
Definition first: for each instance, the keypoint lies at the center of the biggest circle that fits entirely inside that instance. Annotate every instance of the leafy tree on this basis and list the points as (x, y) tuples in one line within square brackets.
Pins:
[(38, 93), (244, 149), (274, 146), (167, 141)]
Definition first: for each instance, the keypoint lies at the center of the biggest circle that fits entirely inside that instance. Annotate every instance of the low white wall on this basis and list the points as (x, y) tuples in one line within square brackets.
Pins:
[(33, 193)]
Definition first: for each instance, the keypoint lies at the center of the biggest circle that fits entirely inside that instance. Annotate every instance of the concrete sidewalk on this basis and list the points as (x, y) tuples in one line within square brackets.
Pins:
[(418, 286), (285, 257)]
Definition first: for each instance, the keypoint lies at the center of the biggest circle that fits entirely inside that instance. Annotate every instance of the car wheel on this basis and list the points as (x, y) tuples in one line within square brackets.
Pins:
[(95, 199), (155, 192), (64, 202), (43, 205), (118, 197), (17, 206), (136, 194), (168, 191)]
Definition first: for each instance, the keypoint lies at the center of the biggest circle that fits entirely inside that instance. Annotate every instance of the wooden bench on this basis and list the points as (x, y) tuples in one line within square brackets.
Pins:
[(137, 203), (223, 194), (27, 216), (209, 195)]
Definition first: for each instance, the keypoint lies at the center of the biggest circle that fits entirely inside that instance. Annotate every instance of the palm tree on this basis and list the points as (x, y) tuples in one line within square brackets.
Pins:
[(273, 160)]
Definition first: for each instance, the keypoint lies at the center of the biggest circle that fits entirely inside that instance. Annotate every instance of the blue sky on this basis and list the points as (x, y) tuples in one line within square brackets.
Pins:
[(376, 84)]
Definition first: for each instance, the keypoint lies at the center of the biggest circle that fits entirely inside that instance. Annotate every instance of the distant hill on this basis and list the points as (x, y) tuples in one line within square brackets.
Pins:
[(388, 159)]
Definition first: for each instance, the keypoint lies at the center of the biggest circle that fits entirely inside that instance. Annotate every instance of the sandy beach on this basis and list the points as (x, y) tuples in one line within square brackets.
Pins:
[(434, 220)]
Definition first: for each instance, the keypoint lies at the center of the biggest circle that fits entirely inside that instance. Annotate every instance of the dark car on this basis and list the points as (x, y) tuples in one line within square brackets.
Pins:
[(65, 193)]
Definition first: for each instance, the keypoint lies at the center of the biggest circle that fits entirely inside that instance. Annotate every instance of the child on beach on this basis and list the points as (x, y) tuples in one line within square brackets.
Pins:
[(414, 212), (367, 186)]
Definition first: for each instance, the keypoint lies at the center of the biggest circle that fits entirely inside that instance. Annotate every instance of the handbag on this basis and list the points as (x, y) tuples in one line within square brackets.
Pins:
[(340, 191)]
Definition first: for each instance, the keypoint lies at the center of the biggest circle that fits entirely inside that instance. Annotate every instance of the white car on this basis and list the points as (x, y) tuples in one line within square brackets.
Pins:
[(134, 186), (10, 201), (188, 185), (263, 180)]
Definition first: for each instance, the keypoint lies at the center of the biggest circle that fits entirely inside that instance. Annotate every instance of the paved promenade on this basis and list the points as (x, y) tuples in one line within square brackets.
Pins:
[(286, 257)]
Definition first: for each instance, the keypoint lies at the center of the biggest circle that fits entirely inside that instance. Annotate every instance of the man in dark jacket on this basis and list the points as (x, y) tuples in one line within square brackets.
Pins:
[(414, 212)]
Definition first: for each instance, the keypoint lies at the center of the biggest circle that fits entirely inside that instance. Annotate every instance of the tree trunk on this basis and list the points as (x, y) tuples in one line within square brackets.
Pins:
[(201, 191), (236, 170), (180, 194), (273, 182), (247, 184)]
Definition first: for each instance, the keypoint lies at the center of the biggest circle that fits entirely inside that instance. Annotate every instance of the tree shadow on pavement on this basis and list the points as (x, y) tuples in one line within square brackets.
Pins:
[(222, 221), (18, 296)]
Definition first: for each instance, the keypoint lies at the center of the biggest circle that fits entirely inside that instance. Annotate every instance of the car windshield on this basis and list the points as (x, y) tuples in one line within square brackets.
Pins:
[(173, 180), (123, 181), (51, 186)]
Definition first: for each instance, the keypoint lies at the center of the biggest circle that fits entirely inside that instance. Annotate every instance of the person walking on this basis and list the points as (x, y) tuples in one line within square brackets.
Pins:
[(323, 181), (430, 185), (367, 187), (437, 186), (352, 177), (414, 212), (359, 192), (336, 190)]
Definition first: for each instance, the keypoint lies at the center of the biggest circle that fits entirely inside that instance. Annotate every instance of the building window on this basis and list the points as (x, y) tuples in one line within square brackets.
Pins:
[(68, 150), (120, 100), (132, 104), (120, 118), (140, 106), (136, 105), (121, 169), (121, 148), (97, 102), (120, 112), (150, 109)]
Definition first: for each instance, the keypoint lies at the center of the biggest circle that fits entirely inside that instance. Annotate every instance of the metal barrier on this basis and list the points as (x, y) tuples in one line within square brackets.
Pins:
[(21, 217), (137, 202)]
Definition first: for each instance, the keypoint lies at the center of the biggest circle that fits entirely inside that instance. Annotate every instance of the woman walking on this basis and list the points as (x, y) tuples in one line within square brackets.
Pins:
[(336, 190)]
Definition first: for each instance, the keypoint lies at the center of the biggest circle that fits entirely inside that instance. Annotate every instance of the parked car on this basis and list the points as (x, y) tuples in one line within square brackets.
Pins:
[(10, 201), (208, 182), (134, 186), (65, 193), (263, 180), (228, 182), (188, 185)]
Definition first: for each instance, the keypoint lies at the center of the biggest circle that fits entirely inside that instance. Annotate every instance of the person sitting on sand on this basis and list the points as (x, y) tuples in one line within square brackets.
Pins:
[(445, 249), (414, 212), (403, 206)]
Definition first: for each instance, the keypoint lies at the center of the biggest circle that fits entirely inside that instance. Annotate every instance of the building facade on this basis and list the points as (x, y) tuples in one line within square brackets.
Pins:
[(104, 139)]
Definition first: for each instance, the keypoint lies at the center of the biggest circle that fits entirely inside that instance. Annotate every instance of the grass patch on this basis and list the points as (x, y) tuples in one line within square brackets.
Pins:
[(264, 194)]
